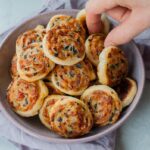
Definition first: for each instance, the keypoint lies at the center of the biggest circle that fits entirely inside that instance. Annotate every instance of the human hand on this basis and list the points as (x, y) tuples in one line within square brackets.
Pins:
[(133, 15)]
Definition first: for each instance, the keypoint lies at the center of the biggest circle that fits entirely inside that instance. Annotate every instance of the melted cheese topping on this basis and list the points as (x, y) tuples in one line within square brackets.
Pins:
[(58, 20), (70, 22), (103, 103), (32, 64), (64, 46), (26, 98), (48, 104), (29, 37), (23, 95), (71, 80), (70, 117), (94, 46), (113, 66), (117, 66)]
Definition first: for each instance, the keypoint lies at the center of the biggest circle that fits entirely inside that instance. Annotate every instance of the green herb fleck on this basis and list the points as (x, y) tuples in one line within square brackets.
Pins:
[(59, 119), (78, 65), (35, 73), (32, 41), (78, 40), (66, 47), (113, 66), (52, 24), (25, 56), (56, 54), (69, 18), (122, 61), (57, 83), (89, 103), (73, 50), (95, 106), (71, 74), (26, 102), (34, 59), (46, 80)]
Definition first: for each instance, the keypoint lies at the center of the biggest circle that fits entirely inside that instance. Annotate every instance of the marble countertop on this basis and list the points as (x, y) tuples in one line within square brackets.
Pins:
[(133, 135)]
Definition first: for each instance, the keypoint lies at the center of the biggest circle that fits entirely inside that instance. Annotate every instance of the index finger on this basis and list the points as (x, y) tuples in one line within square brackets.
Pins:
[(93, 9)]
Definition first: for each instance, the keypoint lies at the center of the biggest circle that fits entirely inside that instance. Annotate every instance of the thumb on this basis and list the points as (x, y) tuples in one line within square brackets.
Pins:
[(127, 30)]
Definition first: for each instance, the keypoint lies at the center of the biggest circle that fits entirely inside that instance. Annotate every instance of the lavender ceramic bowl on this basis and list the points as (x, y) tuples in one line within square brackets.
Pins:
[(32, 126)]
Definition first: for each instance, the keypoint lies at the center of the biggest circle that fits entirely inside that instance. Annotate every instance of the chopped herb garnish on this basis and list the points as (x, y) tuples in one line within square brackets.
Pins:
[(56, 54), (57, 19), (71, 73), (78, 65), (35, 73), (90, 39), (74, 50), (66, 47), (69, 18), (95, 106), (52, 24), (123, 61), (78, 28), (57, 83), (34, 59), (69, 132), (59, 119), (111, 118), (78, 56), (89, 103), (26, 102), (25, 56), (39, 40), (32, 41), (55, 75), (46, 80), (71, 48), (78, 40), (113, 66)]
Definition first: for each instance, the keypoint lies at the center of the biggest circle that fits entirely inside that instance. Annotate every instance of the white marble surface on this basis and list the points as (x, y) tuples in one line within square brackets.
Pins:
[(134, 134)]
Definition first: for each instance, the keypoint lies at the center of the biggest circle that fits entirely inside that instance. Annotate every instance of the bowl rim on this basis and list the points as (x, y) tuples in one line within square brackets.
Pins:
[(81, 139)]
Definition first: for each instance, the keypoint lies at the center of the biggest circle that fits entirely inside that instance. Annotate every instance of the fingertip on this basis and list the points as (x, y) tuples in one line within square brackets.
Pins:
[(118, 36), (109, 43), (112, 40), (93, 22), (127, 30)]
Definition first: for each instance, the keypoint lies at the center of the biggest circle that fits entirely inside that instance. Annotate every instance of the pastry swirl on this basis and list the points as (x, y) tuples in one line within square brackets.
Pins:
[(26, 98), (70, 117), (72, 80), (63, 46), (32, 64), (104, 104)]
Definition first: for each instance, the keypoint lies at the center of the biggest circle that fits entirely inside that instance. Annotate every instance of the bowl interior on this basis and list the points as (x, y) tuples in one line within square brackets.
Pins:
[(33, 126)]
